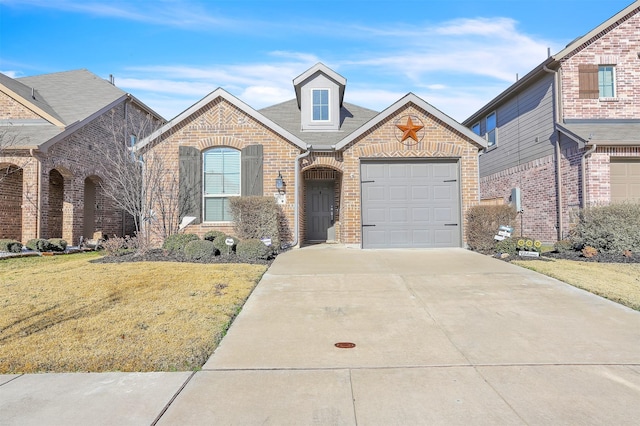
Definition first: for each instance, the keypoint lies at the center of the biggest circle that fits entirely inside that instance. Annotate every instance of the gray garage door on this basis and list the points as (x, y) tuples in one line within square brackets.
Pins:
[(410, 204), (625, 179)]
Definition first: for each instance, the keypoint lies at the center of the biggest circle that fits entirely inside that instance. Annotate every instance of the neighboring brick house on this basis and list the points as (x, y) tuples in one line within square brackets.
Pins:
[(403, 177), (50, 128), (567, 134)]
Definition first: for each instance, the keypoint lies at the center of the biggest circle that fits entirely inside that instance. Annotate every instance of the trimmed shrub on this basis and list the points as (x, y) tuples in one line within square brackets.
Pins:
[(199, 249), (508, 245), (39, 244), (221, 245), (255, 218), (563, 246), (177, 242), (212, 235), (608, 229), (253, 249), (483, 223), (12, 246), (57, 244)]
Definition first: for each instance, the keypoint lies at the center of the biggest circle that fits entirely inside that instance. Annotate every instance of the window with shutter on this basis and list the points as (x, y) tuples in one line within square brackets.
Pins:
[(588, 82), (606, 81), (252, 170), (221, 180), (190, 182)]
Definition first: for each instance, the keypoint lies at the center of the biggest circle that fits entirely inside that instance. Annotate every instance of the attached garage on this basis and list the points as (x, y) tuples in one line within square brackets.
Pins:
[(410, 203), (625, 179)]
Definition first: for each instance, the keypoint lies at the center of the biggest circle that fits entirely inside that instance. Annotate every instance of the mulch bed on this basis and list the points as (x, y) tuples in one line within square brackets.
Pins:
[(576, 255), (158, 255)]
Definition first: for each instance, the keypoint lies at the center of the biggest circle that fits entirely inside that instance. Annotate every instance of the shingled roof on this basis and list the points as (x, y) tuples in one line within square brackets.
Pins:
[(287, 115), (65, 101)]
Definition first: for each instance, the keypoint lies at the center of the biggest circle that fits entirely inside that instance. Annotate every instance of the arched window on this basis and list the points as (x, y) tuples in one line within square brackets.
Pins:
[(221, 180)]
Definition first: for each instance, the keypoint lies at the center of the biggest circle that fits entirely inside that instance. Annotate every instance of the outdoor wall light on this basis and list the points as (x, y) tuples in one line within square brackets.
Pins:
[(279, 182)]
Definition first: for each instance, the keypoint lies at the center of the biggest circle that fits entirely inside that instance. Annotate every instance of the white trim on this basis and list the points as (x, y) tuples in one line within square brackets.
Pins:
[(494, 129), (328, 120)]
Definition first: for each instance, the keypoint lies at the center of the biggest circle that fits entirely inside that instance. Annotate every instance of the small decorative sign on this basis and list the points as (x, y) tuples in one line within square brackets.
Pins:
[(229, 242), (266, 241), (503, 232), (524, 253)]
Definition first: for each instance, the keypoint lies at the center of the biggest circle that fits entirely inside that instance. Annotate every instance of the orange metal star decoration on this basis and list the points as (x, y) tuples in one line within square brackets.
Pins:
[(409, 130)]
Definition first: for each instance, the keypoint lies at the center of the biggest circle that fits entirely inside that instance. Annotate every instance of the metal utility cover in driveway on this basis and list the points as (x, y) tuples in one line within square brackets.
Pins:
[(410, 204)]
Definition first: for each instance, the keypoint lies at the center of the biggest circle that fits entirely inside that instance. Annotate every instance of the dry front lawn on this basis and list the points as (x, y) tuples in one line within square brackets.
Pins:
[(619, 282), (63, 313)]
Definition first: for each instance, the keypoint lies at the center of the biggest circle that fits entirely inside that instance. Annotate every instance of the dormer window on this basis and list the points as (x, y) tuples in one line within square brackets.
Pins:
[(320, 104)]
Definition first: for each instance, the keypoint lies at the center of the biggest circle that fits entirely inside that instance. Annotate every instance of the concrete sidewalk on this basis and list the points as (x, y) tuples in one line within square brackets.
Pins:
[(442, 337)]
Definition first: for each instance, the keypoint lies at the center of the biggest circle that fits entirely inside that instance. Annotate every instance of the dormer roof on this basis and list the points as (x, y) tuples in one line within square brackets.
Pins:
[(319, 68)]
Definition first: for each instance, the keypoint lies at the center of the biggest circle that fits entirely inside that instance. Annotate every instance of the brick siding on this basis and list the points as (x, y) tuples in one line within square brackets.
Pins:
[(618, 47), (222, 124), (53, 201)]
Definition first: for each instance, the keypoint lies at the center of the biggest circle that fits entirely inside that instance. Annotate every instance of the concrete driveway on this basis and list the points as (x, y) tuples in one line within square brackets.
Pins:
[(442, 337)]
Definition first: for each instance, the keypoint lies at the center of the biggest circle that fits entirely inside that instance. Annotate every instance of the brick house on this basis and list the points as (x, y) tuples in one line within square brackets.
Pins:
[(50, 128), (403, 177), (567, 134)]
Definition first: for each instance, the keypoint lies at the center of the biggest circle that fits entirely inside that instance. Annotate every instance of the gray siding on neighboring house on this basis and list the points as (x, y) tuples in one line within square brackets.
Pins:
[(526, 116)]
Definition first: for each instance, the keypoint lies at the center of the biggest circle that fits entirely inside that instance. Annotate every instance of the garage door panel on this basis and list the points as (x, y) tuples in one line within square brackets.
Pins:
[(398, 193), (399, 214), (625, 179), (397, 171), (375, 193), (443, 237), (420, 192), (443, 171), (410, 203), (420, 214), (447, 215), (443, 192)]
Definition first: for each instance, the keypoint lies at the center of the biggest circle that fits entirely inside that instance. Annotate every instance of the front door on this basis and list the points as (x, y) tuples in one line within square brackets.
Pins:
[(319, 209)]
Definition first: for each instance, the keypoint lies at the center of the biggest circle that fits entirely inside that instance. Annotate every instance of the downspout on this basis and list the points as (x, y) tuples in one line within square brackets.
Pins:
[(559, 197), (296, 208), (583, 164)]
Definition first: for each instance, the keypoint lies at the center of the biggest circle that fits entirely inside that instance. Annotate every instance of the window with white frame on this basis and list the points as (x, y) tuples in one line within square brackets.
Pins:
[(606, 81), (320, 104), (476, 128), (221, 180), (491, 130)]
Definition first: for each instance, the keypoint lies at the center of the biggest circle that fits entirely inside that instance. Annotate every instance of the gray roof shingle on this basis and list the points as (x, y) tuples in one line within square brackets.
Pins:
[(68, 97), (287, 115)]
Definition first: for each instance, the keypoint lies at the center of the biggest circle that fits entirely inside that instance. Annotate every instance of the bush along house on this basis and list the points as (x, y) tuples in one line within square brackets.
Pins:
[(403, 177), (54, 130), (567, 134)]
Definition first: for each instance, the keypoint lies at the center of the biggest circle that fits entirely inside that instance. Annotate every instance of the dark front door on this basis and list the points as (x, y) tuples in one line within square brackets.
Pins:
[(319, 209)]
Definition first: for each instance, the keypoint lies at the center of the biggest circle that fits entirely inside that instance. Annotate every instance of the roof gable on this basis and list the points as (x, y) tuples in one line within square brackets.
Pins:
[(30, 98), (431, 110), (598, 32), (223, 94), (309, 74), (553, 62)]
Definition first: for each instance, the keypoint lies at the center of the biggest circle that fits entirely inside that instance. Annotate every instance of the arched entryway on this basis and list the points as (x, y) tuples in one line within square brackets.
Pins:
[(11, 202), (321, 205), (94, 206), (55, 210)]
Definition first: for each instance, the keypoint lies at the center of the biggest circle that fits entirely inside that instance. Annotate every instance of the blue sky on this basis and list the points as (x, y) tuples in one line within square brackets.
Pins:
[(455, 54)]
